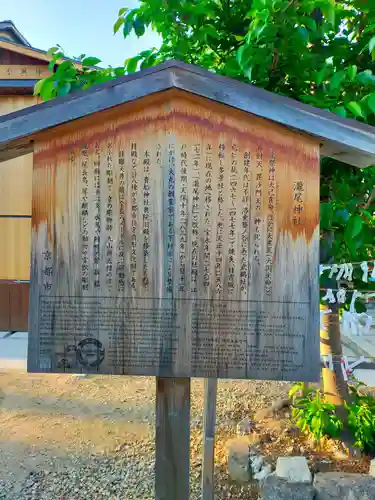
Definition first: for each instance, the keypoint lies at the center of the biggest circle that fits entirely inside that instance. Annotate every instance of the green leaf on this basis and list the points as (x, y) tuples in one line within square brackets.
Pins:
[(51, 65), (66, 65), (128, 26), (48, 90), (64, 89), (354, 108), (131, 64), (340, 110), (38, 86), (120, 21), (240, 53), (352, 72), (122, 11), (90, 61), (371, 45), (51, 51), (366, 77), (139, 27), (336, 80), (353, 228), (211, 31), (371, 102)]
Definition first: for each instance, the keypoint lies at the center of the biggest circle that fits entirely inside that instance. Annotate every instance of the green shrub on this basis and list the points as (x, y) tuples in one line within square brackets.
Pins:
[(312, 414), (361, 418), (318, 418)]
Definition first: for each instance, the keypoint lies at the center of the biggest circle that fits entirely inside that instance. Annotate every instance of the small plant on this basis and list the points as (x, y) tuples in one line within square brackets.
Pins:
[(312, 414), (361, 418)]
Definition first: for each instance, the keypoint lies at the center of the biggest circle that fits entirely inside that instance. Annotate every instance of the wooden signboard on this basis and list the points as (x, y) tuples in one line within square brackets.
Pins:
[(175, 237), (24, 72)]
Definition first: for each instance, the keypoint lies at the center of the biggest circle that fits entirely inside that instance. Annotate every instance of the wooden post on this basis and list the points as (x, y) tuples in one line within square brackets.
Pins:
[(210, 392), (172, 438)]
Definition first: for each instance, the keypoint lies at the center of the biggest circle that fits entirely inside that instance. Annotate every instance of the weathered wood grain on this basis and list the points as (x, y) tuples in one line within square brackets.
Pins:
[(172, 438), (204, 222), (209, 423), (348, 140), (15, 248)]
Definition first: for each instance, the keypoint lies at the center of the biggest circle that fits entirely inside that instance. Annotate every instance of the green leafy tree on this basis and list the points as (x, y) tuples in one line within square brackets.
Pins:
[(320, 52)]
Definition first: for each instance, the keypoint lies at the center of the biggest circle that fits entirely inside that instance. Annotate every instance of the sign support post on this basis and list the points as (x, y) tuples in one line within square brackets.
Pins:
[(172, 438), (210, 393)]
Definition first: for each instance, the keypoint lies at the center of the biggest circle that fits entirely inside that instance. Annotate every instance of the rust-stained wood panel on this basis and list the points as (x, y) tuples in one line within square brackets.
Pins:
[(181, 239), (15, 236), (23, 71)]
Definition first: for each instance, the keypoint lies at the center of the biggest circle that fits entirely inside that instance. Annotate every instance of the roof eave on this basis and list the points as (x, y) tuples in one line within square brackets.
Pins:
[(346, 140)]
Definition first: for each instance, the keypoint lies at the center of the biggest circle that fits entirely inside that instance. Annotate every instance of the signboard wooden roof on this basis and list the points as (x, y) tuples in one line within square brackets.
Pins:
[(344, 139), (175, 226)]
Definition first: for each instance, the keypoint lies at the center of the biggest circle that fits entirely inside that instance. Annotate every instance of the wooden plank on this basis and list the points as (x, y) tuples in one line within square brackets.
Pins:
[(130, 246), (15, 186), (19, 307), (10, 104), (15, 238), (172, 438), (23, 72), (16, 175), (4, 307), (210, 393), (348, 140), (31, 52)]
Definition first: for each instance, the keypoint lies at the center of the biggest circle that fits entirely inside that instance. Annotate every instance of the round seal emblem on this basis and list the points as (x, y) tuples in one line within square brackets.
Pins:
[(90, 352)]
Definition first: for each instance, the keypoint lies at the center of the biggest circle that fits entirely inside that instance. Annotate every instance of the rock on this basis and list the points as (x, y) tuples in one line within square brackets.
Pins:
[(255, 463), (271, 410), (344, 486), (245, 426), (238, 459), (372, 468), (264, 472), (275, 488), (293, 469)]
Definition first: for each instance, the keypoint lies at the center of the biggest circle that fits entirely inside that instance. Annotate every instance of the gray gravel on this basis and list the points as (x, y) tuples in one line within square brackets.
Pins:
[(124, 468)]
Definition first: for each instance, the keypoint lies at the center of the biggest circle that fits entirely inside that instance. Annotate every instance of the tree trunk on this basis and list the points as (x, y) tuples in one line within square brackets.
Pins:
[(334, 385)]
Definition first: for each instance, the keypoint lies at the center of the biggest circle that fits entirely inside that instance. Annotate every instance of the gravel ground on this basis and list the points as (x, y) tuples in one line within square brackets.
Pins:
[(63, 437)]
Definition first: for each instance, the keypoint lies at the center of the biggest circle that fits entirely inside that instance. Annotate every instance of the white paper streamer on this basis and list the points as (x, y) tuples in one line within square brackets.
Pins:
[(343, 271), (334, 270), (341, 296), (323, 268), (355, 296), (346, 365), (349, 275), (327, 361), (329, 296), (364, 267)]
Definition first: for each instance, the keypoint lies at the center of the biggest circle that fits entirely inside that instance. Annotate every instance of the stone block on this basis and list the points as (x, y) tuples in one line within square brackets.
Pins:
[(293, 469)]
